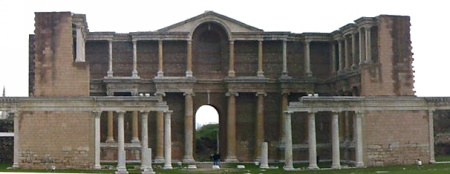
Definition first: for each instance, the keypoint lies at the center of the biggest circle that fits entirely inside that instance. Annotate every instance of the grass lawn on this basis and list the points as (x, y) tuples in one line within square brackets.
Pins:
[(251, 168)]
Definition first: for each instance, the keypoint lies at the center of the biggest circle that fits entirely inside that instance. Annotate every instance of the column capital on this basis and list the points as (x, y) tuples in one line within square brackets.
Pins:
[(285, 92), (312, 112), (160, 93), (261, 93), (143, 112), (360, 113), (96, 113), (121, 112), (288, 112), (231, 41), (168, 112), (307, 41), (191, 93), (230, 93)]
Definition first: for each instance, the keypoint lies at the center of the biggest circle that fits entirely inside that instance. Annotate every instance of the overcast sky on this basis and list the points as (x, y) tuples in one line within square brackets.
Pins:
[(429, 30)]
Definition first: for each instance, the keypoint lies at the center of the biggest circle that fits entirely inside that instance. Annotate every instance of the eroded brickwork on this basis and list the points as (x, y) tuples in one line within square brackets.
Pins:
[(56, 73)]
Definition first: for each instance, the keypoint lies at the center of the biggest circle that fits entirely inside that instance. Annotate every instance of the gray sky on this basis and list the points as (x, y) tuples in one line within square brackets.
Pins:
[(429, 19)]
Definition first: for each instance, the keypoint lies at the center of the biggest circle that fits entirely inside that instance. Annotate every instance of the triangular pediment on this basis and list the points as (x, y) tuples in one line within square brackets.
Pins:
[(230, 24)]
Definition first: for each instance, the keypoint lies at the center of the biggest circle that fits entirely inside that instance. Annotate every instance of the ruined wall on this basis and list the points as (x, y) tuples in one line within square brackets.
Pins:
[(395, 137), (391, 73), (63, 139), (56, 73)]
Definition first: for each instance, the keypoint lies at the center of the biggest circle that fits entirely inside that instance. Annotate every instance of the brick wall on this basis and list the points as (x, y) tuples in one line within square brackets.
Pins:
[(395, 137), (56, 74), (392, 73), (63, 139)]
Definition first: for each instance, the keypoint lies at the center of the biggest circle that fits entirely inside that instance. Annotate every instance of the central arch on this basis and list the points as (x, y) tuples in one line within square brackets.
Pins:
[(210, 53)]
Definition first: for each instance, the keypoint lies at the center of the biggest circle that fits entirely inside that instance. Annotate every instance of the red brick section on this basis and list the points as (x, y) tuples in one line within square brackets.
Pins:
[(63, 139), (56, 74), (396, 137), (391, 74)]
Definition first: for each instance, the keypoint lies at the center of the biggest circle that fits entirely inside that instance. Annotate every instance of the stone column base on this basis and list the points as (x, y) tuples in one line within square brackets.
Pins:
[(231, 160), (159, 160)]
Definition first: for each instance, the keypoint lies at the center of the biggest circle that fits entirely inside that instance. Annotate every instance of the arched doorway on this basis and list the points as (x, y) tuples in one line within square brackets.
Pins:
[(206, 132)]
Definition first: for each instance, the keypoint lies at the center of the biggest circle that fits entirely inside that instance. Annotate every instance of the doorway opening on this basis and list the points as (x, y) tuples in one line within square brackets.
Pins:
[(206, 132)]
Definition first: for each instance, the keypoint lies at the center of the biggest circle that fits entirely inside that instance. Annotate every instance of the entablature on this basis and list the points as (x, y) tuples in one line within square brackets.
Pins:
[(82, 104)]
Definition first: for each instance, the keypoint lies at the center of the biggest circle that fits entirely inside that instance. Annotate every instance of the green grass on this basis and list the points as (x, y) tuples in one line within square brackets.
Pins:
[(251, 168), (442, 158)]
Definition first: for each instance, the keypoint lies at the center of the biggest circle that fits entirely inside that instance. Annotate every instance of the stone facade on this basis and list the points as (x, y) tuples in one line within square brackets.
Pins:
[(247, 74)]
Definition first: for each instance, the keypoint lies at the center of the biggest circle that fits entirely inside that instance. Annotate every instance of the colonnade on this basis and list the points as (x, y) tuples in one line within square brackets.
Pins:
[(312, 146), (231, 70), (347, 57), (189, 129), (121, 168)]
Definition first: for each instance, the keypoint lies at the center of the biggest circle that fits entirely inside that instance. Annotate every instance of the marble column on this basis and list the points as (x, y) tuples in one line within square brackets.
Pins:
[(146, 167), (312, 141), (368, 45), (80, 52), (358, 137), (307, 55), (160, 59), (167, 141), (16, 155), (362, 47), (189, 59), (288, 163), (260, 72), (231, 128), (134, 74), (144, 138), (431, 135), (354, 57), (159, 158), (97, 115), (110, 131), (336, 161), (284, 73), (110, 63), (121, 159), (135, 127), (264, 156), (259, 133), (188, 128), (340, 57), (231, 72), (284, 105)]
